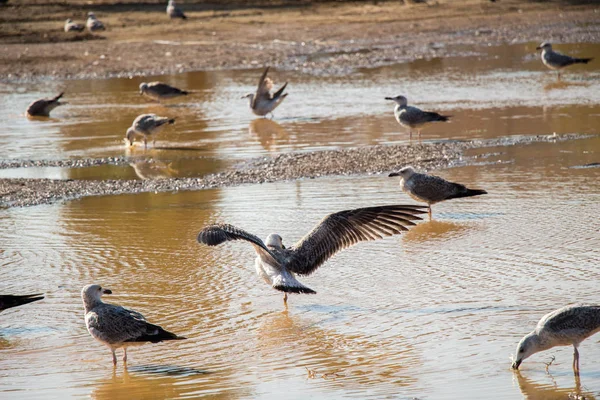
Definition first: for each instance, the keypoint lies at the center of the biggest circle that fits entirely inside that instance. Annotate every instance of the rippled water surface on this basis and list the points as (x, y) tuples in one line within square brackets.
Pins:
[(432, 314)]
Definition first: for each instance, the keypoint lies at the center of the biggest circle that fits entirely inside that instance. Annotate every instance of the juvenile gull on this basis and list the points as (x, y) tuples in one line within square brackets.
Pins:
[(147, 125), (42, 107), (566, 326), (173, 11), (9, 301), (71, 26), (278, 265), (160, 91), (93, 24), (557, 61), (263, 101), (431, 189), (412, 117), (116, 326)]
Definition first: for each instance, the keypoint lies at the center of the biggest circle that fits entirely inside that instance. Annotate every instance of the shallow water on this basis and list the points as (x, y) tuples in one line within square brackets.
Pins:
[(433, 313)]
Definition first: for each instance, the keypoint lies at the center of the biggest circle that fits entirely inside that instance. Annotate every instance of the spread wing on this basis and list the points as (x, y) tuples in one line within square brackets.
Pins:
[(264, 87), (9, 301), (345, 228), (214, 235)]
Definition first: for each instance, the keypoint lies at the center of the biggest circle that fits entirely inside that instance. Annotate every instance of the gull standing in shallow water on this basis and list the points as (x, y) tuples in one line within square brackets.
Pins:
[(412, 117), (263, 101), (116, 326), (42, 107), (566, 326), (174, 12), (71, 26), (431, 189), (557, 61), (278, 265), (147, 125), (160, 91), (10, 301), (93, 23)]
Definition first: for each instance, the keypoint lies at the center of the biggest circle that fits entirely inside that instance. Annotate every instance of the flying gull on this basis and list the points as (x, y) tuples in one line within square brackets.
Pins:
[(279, 265), (42, 107), (9, 301), (93, 23), (147, 125), (431, 189), (71, 26), (174, 12), (160, 91), (558, 61), (263, 101), (116, 326), (412, 117), (566, 326)]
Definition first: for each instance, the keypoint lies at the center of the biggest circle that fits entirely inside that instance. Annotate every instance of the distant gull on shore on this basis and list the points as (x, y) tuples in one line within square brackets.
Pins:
[(412, 117), (263, 101), (174, 12), (42, 107), (160, 91), (566, 326), (93, 24), (10, 301), (431, 189), (71, 26), (557, 61), (147, 125), (116, 326), (278, 265)]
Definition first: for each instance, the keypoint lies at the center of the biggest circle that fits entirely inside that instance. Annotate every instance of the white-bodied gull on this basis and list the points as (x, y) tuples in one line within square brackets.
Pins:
[(147, 125), (93, 24), (412, 117), (174, 12), (71, 26), (263, 101), (557, 61)]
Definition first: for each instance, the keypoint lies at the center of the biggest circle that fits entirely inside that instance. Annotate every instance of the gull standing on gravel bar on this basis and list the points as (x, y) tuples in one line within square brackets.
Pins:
[(9, 301), (278, 265), (160, 91), (147, 125), (71, 26), (42, 107), (566, 326), (557, 61), (412, 117), (174, 12), (263, 101), (116, 326), (431, 189), (93, 24)]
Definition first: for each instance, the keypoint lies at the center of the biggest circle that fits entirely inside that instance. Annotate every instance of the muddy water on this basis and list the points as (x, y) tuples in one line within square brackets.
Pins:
[(434, 313)]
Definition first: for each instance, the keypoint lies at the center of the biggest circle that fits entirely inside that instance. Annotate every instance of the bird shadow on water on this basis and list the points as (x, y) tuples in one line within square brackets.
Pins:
[(435, 230), (557, 85), (167, 370)]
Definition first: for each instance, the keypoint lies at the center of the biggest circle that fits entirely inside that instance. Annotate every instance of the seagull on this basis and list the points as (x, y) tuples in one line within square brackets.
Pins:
[(412, 117), (9, 301), (174, 12), (263, 101), (71, 26), (431, 189), (158, 91), (569, 325), (557, 61), (279, 265), (116, 326), (146, 125), (93, 23), (42, 107)]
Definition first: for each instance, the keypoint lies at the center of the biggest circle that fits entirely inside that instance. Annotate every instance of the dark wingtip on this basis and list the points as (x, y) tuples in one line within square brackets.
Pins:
[(172, 121), (185, 92), (294, 289)]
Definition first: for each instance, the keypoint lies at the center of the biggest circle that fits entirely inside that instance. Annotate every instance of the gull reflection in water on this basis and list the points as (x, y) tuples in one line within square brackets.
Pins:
[(435, 230), (268, 132), (153, 169), (532, 390)]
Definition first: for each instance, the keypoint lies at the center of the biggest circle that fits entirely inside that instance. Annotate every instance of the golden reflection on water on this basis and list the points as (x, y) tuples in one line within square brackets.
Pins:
[(546, 388)]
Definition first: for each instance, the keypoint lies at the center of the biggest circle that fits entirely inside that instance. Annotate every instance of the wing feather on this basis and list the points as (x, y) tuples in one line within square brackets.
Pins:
[(214, 235)]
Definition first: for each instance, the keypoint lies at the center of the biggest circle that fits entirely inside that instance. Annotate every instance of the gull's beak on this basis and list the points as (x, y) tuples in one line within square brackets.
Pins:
[(393, 174), (107, 291), (390, 98), (516, 364), (538, 48)]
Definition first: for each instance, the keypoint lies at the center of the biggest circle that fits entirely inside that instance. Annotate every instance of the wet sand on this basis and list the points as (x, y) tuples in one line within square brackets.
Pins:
[(364, 160), (325, 38)]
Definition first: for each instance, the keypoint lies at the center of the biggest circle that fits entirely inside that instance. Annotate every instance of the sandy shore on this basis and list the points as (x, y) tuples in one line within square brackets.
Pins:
[(325, 38)]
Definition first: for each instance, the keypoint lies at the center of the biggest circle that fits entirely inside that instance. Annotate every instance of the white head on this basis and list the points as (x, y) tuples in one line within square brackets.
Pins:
[(544, 46), (405, 172), (529, 345), (172, 2), (130, 135), (91, 15), (91, 294), (400, 100), (69, 21), (275, 241), (143, 87)]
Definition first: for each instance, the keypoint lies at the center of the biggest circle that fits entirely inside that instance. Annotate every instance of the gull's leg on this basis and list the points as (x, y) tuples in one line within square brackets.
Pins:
[(125, 355), (575, 360), (285, 298), (410, 134), (145, 143), (429, 211), (114, 357), (558, 75)]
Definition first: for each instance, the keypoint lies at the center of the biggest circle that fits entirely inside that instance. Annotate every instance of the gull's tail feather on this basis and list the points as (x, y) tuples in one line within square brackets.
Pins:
[(582, 60), (433, 116), (280, 91), (58, 97), (157, 334), (294, 289), (171, 121), (468, 193)]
